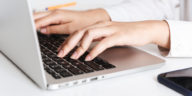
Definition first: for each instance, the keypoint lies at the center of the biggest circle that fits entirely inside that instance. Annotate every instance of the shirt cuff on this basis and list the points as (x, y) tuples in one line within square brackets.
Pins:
[(180, 39)]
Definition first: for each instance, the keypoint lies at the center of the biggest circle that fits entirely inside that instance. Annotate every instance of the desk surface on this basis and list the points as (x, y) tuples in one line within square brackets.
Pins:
[(15, 83)]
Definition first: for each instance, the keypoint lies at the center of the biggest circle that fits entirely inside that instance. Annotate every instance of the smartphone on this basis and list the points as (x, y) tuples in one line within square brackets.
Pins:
[(180, 81)]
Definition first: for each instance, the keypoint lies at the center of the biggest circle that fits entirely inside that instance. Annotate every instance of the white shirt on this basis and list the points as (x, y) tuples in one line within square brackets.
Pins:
[(138, 10)]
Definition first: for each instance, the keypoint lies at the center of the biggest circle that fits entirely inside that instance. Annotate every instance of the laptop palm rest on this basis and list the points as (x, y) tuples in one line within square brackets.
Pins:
[(130, 58)]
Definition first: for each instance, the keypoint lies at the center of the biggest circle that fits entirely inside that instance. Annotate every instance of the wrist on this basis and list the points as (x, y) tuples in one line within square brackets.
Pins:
[(162, 36)]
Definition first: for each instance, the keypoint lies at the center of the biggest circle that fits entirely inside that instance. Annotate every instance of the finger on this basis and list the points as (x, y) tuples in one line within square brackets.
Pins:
[(103, 45), (57, 29), (38, 15), (48, 20), (70, 43), (66, 28), (74, 39), (45, 21), (88, 37), (85, 43)]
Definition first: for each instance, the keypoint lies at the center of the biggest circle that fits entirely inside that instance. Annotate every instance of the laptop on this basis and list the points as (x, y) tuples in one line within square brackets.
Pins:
[(35, 54)]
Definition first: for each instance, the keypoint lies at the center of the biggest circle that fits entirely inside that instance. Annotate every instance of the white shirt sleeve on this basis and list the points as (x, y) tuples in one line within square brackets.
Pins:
[(139, 10), (180, 38)]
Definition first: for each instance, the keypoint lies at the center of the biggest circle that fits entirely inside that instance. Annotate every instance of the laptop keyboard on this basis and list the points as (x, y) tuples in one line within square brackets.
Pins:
[(66, 67)]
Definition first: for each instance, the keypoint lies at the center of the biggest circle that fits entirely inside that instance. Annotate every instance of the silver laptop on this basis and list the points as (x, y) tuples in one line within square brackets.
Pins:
[(35, 53)]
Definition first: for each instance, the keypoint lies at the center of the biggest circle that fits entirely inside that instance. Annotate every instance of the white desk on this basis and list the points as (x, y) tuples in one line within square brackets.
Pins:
[(14, 83)]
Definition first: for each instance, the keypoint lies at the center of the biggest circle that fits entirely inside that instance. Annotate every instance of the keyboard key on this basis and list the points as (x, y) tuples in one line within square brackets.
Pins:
[(76, 63), (57, 44), (46, 59), (67, 66), (43, 56), (71, 60), (103, 63), (56, 76), (55, 58), (49, 71), (43, 43), (49, 62), (53, 66), (65, 74), (48, 53), (43, 50), (54, 49), (108, 66), (59, 69), (59, 61), (47, 45), (62, 62), (75, 71), (94, 65), (85, 68), (99, 61)]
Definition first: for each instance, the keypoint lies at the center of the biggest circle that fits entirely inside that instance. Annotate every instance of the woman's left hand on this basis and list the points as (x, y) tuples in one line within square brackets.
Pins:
[(115, 34)]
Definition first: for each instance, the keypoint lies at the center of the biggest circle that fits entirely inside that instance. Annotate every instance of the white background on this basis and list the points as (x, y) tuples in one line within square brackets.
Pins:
[(14, 83)]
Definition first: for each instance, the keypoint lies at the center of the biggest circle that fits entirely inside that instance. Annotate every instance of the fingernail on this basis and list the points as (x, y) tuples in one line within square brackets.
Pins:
[(74, 56), (60, 53), (43, 30), (88, 58)]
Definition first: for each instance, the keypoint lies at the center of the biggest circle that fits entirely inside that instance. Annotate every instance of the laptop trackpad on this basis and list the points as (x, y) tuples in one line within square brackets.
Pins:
[(129, 57)]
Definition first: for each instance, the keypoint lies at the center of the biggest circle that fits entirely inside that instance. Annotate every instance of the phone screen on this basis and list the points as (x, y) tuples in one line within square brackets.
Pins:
[(181, 77)]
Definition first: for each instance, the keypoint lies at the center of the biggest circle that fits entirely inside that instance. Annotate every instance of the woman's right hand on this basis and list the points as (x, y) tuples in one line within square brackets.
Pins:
[(67, 21), (111, 34)]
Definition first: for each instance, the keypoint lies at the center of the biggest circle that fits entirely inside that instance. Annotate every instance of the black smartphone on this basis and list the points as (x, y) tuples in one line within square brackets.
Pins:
[(180, 81)]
